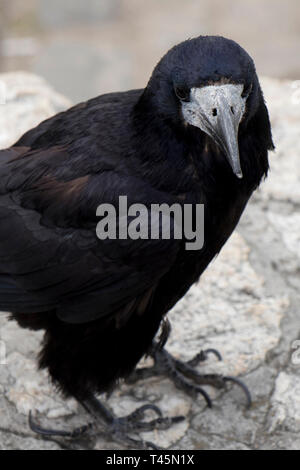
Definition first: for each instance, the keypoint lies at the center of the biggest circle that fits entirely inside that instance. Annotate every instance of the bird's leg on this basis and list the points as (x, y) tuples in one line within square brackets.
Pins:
[(117, 429), (182, 373)]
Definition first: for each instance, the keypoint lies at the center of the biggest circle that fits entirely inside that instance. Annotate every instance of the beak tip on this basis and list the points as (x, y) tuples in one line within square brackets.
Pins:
[(239, 174)]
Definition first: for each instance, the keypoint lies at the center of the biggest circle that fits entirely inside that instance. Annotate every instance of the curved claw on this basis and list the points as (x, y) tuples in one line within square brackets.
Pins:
[(242, 386), (140, 412), (164, 335), (44, 432), (202, 356), (205, 395), (56, 432), (162, 423)]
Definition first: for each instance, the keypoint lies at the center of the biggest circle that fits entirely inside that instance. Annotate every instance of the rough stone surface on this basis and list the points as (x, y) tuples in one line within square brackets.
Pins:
[(246, 306)]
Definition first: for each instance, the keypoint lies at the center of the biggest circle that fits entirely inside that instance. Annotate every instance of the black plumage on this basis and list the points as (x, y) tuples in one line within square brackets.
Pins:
[(101, 301)]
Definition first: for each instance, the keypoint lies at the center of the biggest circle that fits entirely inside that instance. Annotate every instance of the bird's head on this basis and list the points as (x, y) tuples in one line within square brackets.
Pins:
[(209, 83)]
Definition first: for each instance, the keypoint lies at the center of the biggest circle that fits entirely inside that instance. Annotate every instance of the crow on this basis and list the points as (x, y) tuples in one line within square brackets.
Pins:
[(198, 133)]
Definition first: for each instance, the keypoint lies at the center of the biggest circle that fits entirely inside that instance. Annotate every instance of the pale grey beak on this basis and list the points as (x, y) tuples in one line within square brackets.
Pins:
[(217, 110)]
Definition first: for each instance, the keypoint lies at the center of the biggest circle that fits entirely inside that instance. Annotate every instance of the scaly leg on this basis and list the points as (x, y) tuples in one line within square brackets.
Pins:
[(183, 374), (117, 429)]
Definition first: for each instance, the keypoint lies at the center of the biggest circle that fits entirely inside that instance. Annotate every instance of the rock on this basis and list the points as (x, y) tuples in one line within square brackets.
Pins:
[(28, 100), (32, 391), (283, 100), (246, 306), (231, 311), (15, 442), (285, 404)]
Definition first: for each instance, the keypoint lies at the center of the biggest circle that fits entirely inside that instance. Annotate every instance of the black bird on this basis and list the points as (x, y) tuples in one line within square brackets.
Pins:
[(198, 133)]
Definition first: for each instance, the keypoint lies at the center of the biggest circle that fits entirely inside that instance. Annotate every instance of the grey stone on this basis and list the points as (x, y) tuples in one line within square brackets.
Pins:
[(11, 441), (28, 100), (68, 64), (285, 403)]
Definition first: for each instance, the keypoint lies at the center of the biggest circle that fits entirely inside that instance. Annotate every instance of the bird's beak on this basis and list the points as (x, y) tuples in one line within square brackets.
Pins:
[(217, 110)]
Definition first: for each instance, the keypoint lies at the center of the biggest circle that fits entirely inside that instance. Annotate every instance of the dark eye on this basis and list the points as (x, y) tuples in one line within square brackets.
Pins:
[(183, 93), (247, 90)]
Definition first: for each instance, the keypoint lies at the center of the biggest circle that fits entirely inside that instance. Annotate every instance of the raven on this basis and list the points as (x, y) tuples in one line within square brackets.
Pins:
[(198, 133)]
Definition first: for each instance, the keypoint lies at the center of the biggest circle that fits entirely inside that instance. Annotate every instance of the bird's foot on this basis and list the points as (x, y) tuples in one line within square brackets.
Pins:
[(183, 374), (116, 429)]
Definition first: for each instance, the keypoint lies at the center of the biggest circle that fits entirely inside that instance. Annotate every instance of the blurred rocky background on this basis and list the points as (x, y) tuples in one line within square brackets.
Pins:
[(87, 47)]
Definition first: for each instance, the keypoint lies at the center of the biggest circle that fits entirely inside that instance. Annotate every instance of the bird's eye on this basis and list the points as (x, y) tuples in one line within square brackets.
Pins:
[(247, 91), (183, 93)]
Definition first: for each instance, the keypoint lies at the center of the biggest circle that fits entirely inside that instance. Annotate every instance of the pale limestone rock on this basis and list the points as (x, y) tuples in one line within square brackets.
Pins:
[(32, 391), (283, 101), (285, 403), (28, 100), (289, 226)]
